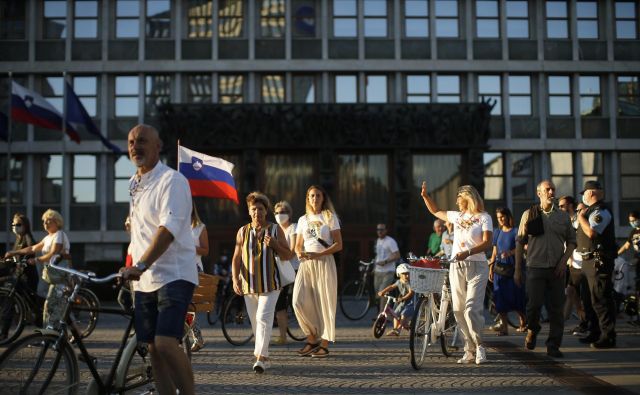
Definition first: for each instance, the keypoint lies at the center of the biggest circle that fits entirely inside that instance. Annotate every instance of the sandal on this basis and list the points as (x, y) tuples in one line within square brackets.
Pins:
[(393, 332), (320, 352), (521, 329), (308, 349)]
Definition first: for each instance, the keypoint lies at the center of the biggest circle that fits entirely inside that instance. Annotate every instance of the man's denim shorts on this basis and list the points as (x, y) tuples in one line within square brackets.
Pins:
[(162, 312)]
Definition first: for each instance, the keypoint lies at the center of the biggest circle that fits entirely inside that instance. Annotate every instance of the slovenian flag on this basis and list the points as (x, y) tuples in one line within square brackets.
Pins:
[(208, 176), (29, 107)]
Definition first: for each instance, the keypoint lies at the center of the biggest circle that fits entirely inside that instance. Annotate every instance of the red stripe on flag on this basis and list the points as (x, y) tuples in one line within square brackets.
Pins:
[(213, 189), (26, 117)]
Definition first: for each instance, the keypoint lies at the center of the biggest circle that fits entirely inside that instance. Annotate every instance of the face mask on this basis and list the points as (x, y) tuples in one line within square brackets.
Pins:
[(17, 229), (635, 224), (584, 200), (281, 218)]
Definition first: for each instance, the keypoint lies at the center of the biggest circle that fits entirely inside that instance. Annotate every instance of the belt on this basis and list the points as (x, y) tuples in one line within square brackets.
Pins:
[(587, 255)]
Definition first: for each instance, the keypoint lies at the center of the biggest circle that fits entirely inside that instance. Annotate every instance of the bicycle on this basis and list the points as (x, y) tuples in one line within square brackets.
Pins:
[(433, 318), (387, 314), (236, 325), (20, 305), (358, 296), (45, 362)]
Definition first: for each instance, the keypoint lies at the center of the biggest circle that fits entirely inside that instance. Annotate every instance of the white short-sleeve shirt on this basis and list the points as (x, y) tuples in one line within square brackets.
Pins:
[(314, 226), (384, 248), (162, 197), (49, 242), (467, 232)]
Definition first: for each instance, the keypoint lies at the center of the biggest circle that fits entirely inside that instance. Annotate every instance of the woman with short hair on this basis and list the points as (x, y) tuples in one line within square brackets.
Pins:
[(469, 272)]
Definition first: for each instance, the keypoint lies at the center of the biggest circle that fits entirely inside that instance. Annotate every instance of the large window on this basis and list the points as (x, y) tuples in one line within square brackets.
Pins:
[(443, 175), (557, 19), (376, 89), (84, 179), (287, 177), (375, 18), (629, 182), (523, 187), (231, 88), (199, 88), (345, 18), (304, 89), (272, 90), (446, 18), (418, 88), (487, 19), (363, 188), (50, 180), (127, 18), (158, 18), (231, 19), (517, 14), (85, 19), (416, 18), (157, 91), (272, 23), (628, 96), (199, 19), (303, 14), (590, 97), (587, 19), (16, 183), (86, 88), (346, 89), (448, 87), (123, 169), (626, 20), (126, 97), (55, 19), (519, 95), (12, 15), (493, 181), (489, 87), (559, 95), (53, 91), (562, 172), (593, 167)]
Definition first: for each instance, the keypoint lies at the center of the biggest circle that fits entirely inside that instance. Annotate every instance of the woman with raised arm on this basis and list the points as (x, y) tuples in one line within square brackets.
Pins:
[(469, 271), (315, 291)]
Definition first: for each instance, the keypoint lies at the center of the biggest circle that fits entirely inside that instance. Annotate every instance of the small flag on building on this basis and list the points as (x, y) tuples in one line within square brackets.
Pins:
[(208, 176)]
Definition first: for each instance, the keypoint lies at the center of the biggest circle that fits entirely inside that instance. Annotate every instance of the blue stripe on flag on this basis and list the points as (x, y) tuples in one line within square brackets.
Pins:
[(206, 173)]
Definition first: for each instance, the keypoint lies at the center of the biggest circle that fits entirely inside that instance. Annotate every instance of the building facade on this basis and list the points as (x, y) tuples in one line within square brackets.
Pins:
[(564, 76)]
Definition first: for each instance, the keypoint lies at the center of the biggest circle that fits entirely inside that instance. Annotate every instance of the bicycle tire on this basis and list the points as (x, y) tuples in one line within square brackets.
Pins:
[(293, 328), (134, 369), (13, 307), (448, 337), (236, 326), (186, 343), (355, 300), (84, 312), (420, 331), (33, 365), (379, 326)]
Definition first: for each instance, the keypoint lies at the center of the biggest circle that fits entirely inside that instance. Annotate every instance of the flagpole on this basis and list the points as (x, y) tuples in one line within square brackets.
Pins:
[(8, 170), (178, 156)]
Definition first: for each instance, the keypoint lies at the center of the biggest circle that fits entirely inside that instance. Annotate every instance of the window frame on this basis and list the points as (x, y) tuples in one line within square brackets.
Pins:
[(551, 95), (549, 19), (269, 17), (595, 19), (494, 18), (231, 96), (238, 15)]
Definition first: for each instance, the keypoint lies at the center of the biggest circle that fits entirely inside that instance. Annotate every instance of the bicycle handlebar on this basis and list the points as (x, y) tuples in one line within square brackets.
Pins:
[(367, 263), (91, 277)]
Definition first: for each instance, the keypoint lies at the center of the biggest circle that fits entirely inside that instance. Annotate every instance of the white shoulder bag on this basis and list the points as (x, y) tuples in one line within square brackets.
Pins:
[(286, 274)]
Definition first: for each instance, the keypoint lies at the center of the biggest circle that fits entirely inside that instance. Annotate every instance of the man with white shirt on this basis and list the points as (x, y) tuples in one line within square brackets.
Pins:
[(387, 253), (164, 275)]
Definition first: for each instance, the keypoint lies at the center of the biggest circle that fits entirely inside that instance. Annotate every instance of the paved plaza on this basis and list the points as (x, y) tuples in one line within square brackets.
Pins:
[(360, 364)]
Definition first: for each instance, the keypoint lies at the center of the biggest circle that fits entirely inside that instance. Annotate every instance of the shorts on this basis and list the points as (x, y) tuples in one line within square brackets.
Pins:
[(162, 312)]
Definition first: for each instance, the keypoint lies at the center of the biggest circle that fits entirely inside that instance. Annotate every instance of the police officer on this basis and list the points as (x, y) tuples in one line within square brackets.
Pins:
[(596, 243)]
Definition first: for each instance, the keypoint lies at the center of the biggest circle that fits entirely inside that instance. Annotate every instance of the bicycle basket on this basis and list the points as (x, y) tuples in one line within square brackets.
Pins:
[(425, 280)]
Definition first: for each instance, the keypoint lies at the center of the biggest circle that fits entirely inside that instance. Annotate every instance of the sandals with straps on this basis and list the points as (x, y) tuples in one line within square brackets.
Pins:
[(320, 352), (308, 349)]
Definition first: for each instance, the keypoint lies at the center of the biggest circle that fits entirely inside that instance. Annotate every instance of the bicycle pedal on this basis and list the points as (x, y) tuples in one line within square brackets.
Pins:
[(93, 359)]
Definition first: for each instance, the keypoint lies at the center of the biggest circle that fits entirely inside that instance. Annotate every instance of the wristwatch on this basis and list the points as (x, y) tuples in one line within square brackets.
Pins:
[(141, 266)]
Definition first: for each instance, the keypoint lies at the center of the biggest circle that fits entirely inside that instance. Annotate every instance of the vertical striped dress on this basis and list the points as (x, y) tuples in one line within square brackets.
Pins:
[(259, 270)]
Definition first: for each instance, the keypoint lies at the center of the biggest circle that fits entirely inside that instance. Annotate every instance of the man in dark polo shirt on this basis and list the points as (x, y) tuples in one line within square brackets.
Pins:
[(548, 249), (597, 244)]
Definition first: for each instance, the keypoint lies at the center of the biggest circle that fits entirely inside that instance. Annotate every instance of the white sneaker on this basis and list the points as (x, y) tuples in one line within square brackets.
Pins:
[(261, 366), (481, 355), (467, 358)]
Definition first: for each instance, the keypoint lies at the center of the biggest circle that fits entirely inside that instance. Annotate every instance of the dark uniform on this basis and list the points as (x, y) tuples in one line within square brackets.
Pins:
[(598, 256)]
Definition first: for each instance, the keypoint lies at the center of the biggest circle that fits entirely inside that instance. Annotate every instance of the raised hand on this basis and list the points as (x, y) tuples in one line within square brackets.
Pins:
[(423, 192)]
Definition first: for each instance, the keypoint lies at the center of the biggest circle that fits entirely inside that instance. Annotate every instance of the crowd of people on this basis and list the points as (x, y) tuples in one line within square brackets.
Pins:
[(560, 255)]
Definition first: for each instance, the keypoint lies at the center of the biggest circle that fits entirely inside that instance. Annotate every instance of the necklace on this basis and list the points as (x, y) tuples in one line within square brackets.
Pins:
[(547, 212)]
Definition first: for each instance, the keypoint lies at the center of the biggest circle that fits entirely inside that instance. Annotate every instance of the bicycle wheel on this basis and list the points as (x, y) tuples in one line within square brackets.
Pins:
[(449, 337), (134, 369), (186, 341), (420, 332), (378, 326), (12, 316), (355, 300), (236, 326), (84, 312), (293, 328), (39, 364)]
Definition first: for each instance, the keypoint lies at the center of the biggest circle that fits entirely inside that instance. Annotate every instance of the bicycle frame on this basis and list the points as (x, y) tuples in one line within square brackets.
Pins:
[(389, 313)]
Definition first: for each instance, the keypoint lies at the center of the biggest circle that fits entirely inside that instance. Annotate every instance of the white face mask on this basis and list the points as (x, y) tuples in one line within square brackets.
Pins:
[(584, 200), (282, 218)]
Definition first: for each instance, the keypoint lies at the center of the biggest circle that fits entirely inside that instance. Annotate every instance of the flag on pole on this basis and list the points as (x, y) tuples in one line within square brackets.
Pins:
[(208, 176), (77, 117), (4, 127), (28, 106)]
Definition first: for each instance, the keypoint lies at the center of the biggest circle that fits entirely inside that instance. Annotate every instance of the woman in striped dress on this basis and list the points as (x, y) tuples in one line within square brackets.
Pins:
[(255, 274)]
